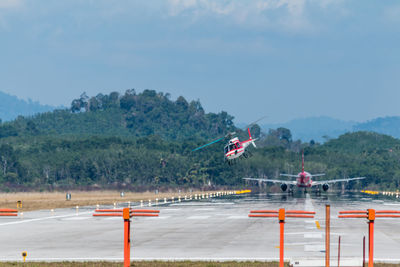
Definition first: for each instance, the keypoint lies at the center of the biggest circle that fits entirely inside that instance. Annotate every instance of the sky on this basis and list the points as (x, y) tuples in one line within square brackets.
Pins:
[(282, 58)]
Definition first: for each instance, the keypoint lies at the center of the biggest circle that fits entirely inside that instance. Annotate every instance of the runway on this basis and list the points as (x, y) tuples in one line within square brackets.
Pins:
[(207, 229)]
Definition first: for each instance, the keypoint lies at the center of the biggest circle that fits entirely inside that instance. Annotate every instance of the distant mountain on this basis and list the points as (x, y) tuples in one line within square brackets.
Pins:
[(11, 107), (385, 125), (314, 128)]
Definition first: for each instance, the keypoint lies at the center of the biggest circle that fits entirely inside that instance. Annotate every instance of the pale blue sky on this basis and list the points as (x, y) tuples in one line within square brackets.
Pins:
[(281, 58)]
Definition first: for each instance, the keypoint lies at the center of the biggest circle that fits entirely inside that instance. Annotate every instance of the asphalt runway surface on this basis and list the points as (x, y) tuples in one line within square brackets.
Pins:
[(207, 229)]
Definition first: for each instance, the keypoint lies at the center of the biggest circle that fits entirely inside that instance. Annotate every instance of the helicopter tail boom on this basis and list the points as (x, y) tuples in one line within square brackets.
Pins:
[(252, 142)]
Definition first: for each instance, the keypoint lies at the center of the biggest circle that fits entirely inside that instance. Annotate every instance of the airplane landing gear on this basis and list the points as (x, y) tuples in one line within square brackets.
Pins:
[(318, 191), (290, 191)]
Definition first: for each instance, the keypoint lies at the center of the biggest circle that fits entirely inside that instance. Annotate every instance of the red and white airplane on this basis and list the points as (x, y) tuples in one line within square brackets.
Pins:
[(303, 179)]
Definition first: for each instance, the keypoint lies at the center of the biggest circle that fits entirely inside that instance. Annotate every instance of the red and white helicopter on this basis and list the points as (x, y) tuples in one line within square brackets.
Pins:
[(235, 148), (303, 179)]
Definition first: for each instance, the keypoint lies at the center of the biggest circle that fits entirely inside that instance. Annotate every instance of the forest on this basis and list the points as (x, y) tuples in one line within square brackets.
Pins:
[(144, 141)]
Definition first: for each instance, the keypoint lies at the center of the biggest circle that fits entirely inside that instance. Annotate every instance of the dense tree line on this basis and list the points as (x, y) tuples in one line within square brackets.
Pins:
[(47, 162), (143, 141)]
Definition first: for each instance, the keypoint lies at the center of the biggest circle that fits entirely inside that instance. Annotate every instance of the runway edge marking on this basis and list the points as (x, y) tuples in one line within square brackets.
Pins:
[(45, 218)]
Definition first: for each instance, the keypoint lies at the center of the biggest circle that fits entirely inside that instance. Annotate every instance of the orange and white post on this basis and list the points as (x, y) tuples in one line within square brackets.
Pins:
[(127, 236), (126, 214), (281, 214), (370, 215)]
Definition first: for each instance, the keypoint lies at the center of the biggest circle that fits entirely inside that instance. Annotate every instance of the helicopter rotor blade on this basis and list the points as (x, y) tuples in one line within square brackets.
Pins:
[(230, 134), (213, 142), (254, 122)]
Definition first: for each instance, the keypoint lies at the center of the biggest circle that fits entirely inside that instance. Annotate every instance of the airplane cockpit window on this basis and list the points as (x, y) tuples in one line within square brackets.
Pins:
[(232, 147), (238, 145)]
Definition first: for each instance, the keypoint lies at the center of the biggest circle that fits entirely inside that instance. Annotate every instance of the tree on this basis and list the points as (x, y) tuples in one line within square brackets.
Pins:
[(284, 134)]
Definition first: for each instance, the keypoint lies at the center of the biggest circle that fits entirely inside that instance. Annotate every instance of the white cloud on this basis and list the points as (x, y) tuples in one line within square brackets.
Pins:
[(10, 4), (392, 14), (5, 6), (288, 14)]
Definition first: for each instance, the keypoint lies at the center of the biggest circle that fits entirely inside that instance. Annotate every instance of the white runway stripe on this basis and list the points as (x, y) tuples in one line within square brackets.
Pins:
[(199, 217), (20, 221), (160, 217), (313, 235), (391, 204), (314, 247), (308, 205), (143, 259), (76, 218), (238, 217), (113, 218)]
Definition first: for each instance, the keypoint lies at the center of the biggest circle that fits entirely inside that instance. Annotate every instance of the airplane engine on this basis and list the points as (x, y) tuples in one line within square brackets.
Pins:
[(283, 187), (325, 187)]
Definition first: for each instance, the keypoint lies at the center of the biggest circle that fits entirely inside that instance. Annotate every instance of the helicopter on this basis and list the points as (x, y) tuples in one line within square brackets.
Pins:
[(235, 148)]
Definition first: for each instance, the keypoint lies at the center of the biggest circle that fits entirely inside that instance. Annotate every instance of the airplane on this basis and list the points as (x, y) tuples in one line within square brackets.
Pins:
[(235, 148), (303, 179)]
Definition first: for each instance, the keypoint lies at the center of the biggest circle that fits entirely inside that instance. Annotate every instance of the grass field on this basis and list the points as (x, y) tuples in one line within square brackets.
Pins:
[(54, 200), (159, 264)]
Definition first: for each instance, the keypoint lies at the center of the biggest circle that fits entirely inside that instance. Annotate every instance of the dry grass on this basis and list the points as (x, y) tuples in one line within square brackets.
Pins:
[(54, 200), (157, 264), (145, 264)]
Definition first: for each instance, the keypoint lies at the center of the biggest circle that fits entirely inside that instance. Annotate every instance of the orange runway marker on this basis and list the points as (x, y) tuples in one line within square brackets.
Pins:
[(126, 214), (370, 215), (281, 214)]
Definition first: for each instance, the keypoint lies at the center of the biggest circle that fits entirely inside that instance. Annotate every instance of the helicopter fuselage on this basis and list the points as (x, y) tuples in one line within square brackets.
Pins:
[(234, 149)]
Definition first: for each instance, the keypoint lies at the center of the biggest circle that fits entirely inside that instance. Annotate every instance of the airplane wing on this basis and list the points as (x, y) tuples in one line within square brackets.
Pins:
[(336, 181), (316, 175), (288, 175), (271, 181)]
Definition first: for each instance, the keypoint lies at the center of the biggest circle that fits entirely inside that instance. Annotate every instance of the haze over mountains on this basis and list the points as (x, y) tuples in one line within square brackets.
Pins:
[(11, 107), (321, 129), (318, 129)]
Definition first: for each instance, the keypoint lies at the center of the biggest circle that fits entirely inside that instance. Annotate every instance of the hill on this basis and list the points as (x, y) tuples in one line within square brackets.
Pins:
[(362, 142), (385, 125), (129, 114), (145, 141), (11, 107)]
